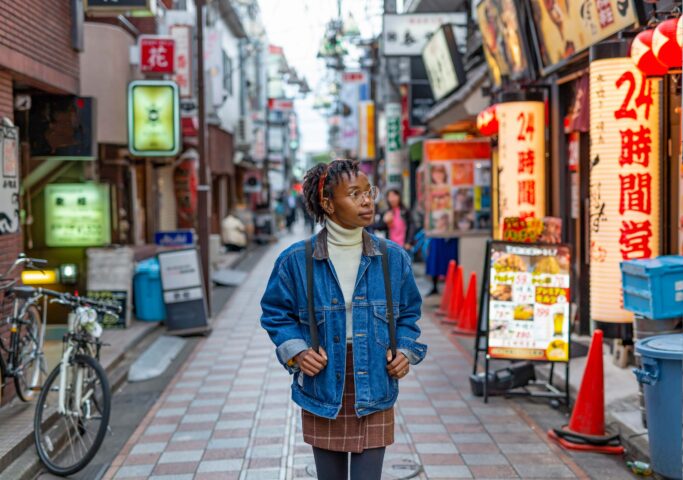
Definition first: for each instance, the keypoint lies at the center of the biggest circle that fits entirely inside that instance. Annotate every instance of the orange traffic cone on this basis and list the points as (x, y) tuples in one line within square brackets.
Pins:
[(468, 316), (448, 289), (456, 300), (586, 429)]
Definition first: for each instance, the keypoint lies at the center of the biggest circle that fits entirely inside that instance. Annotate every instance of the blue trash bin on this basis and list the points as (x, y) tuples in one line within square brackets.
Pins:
[(149, 300), (660, 374)]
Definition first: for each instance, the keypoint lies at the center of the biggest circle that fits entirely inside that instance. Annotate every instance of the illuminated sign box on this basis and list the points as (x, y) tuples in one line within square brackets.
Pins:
[(77, 215), (153, 118), (117, 7)]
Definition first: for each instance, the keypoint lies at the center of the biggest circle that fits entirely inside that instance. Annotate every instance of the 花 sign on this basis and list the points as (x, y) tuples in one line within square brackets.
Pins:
[(624, 177), (157, 54), (521, 165)]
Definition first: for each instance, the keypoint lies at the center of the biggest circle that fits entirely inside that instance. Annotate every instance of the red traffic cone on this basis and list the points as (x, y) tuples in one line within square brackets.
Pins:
[(586, 429), (448, 289), (456, 300), (468, 316)]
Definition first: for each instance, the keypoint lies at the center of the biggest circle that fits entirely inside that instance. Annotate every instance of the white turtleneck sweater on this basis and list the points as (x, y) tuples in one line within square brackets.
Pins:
[(345, 247)]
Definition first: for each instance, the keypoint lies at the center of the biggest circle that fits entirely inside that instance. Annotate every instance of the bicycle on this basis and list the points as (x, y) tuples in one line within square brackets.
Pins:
[(25, 359), (73, 408)]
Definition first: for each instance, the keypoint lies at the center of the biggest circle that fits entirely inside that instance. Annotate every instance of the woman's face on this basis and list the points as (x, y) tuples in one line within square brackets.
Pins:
[(393, 199), (438, 176), (351, 205)]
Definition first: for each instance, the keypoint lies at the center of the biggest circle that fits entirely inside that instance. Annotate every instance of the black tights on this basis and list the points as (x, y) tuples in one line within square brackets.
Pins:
[(335, 465)]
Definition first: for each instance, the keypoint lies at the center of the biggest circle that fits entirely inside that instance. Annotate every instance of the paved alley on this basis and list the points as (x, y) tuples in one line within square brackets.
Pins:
[(227, 415)]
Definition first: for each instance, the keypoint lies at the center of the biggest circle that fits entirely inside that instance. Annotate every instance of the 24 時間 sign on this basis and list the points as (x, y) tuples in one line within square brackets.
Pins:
[(529, 302)]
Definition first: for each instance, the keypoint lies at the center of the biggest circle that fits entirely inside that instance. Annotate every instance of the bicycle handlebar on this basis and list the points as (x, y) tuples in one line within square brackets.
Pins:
[(74, 301)]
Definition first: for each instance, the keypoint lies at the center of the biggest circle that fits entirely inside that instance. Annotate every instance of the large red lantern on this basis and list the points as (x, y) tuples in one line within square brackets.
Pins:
[(665, 45), (487, 122), (679, 32), (643, 57)]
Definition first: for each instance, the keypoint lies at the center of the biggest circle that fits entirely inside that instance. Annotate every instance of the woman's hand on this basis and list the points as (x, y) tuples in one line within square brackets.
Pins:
[(399, 366), (388, 218), (310, 362)]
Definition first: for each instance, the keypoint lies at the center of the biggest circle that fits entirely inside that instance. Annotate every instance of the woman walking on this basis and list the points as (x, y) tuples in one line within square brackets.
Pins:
[(351, 341), (396, 221)]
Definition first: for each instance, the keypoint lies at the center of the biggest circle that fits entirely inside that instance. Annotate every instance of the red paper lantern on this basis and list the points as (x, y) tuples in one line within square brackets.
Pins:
[(665, 45), (487, 122), (643, 56), (679, 32)]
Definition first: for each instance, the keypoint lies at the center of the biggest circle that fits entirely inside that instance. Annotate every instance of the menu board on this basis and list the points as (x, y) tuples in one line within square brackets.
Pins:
[(529, 302)]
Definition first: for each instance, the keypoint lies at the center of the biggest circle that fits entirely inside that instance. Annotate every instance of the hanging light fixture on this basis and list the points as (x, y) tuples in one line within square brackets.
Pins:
[(665, 45), (644, 58)]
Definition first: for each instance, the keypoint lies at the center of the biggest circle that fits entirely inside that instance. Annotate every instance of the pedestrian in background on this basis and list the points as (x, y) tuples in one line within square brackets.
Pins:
[(347, 401), (396, 221)]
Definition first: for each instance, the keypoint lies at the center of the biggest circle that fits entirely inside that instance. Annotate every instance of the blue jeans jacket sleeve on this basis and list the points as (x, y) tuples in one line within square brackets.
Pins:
[(278, 304), (407, 330)]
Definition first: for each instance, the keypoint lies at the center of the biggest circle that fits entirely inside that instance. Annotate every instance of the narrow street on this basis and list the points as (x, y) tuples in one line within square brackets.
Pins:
[(227, 415)]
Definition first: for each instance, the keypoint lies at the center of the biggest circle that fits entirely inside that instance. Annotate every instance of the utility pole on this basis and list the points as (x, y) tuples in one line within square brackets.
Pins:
[(204, 183)]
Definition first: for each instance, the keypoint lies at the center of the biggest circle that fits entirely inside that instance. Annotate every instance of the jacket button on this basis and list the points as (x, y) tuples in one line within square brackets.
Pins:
[(334, 301), (338, 376), (336, 339)]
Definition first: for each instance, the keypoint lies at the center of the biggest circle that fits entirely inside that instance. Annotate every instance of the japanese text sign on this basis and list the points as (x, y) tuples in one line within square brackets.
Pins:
[(521, 160), (157, 54), (182, 34), (406, 35), (77, 215), (567, 27), (529, 302), (624, 178), (9, 186)]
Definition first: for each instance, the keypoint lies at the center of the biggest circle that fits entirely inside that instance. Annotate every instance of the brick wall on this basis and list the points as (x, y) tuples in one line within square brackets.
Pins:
[(10, 245), (35, 42)]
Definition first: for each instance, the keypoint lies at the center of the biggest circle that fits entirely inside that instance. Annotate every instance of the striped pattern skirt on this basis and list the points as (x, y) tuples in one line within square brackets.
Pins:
[(347, 432)]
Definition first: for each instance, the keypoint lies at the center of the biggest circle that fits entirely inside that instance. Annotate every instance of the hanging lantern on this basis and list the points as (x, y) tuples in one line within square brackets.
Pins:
[(644, 58), (679, 32), (665, 45), (487, 122)]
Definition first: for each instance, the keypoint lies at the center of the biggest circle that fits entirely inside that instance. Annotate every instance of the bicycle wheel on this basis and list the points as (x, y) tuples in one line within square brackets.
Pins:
[(66, 442), (28, 374)]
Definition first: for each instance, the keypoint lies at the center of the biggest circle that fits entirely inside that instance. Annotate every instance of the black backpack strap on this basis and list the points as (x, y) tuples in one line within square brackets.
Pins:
[(387, 292), (309, 294)]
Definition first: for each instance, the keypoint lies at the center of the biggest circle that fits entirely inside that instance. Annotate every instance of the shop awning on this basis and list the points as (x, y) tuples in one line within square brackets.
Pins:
[(463, 105)]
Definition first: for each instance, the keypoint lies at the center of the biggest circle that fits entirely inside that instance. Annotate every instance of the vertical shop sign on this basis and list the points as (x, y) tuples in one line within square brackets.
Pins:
[(182, 34), (624, 178), (354, 89), (366, 130), (394, 165), (521, 161), (153, 118), (9, 189)]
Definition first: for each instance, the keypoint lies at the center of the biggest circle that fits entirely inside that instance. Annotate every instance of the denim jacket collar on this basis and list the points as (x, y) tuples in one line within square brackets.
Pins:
[(320, 252)]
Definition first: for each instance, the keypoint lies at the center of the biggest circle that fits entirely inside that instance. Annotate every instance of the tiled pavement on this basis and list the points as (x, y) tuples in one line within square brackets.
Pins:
[(227, 414)]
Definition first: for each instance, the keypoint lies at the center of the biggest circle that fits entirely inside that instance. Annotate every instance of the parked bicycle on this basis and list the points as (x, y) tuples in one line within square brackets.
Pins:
[(25, 362), (72, 412)]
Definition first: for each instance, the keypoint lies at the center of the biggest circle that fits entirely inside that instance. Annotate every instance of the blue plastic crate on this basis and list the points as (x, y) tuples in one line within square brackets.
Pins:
[(653, 287)]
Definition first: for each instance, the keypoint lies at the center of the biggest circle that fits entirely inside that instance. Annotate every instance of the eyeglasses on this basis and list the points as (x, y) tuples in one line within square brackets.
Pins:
[(358, 196)]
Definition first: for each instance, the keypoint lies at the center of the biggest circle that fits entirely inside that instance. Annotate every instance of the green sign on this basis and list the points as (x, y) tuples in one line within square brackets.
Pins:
[(153, 118), (77, 215)]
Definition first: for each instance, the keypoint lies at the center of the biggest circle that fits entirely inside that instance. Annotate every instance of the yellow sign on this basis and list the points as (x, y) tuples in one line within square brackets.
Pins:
[(38, 277), (567, 27), (366, 130), (624, 178), (153, 118), (77, 215), (520, 173)]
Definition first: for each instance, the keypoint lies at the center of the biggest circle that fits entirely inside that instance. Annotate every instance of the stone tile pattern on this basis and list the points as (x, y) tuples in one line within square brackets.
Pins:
[(227, 414)]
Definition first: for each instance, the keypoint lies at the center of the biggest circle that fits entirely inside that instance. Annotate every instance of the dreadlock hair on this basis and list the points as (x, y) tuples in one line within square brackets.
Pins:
[(320, 181)]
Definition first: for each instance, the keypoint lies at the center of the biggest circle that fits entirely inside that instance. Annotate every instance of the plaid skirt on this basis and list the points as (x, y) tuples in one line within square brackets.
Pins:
[(347, 432)]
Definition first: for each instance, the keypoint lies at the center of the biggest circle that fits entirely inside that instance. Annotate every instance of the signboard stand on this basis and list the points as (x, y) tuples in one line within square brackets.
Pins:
[(183, 292), (482, 338)]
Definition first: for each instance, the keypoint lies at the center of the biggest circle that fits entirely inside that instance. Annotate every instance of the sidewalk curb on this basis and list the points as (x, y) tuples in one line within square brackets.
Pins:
[(22, 462)]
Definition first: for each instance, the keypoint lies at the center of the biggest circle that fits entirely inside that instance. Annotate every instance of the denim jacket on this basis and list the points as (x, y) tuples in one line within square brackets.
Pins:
[(285, 318)]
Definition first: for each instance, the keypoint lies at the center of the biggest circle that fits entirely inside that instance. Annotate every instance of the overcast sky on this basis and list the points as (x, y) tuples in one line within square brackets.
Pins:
[(298, 26)]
